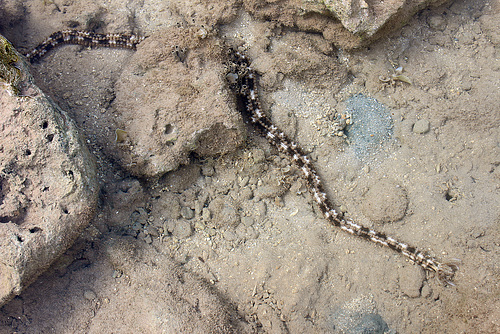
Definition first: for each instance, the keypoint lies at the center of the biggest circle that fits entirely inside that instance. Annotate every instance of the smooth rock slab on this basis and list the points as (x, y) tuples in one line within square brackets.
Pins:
[(48, 186)]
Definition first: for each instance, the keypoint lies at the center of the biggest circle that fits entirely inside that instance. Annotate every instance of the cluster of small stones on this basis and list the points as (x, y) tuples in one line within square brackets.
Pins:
[(340, 125)]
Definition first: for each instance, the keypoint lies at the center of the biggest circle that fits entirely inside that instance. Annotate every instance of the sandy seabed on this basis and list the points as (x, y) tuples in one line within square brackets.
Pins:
[(235, 243)]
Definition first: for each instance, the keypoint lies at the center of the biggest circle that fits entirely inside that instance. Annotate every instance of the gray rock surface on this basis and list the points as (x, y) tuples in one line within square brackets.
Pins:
[(48, 187), (10, 12), (173, 100), (347, 24), (183, 303)]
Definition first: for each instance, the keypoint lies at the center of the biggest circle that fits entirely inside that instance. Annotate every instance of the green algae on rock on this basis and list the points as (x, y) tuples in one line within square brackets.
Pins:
[(10, 74)]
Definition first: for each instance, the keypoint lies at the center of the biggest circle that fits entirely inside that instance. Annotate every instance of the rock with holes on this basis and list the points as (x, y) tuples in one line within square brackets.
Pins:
[(48, 185), (172, 101)]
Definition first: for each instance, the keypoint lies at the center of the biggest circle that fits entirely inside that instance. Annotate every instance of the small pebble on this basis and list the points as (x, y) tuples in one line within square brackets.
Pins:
[(426, 291), (252, 233), (117, 274), (199, 225), (89, 295), (247, 221), (258, 156), (436, 22), (152, 231), (268, 190), (207, 170), (211, 232), (241, 231), (243, 181), (261, 209), (182, 229), (136, 227), (148, 239), (139, 216), (245, 194), (187, 213), (421, 126), (170, 225), (230, 236), (224, 211), (206, 214)]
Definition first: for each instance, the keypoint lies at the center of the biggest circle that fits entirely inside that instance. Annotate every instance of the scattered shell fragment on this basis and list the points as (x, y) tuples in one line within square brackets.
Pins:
[(120, 135), (394, 77), (202, 33)]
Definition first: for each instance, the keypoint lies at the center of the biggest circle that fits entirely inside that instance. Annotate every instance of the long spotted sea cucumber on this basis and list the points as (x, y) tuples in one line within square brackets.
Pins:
[(243, 80)]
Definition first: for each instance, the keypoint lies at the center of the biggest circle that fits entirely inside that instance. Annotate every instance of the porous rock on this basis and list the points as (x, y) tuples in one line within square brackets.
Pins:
[(173, 100), (48, 186)]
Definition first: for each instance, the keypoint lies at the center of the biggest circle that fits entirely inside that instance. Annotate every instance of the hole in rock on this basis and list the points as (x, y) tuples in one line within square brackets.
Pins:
[(169, 128), (35, 229)]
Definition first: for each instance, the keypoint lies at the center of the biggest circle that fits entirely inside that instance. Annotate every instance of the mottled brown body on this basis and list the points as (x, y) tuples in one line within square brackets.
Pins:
[(85, 38)]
